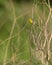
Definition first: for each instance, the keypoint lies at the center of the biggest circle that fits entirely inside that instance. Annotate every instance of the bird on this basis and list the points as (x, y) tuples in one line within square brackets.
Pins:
[(30, 20)]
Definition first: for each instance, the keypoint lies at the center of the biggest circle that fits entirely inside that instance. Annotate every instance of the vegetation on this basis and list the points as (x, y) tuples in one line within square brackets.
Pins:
[(25, 32)]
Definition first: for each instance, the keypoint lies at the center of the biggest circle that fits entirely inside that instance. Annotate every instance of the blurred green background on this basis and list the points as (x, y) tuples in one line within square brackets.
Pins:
[(17, 46)]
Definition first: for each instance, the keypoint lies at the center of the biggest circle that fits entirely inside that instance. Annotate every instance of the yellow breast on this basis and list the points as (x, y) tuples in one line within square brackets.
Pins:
[(30, 21)]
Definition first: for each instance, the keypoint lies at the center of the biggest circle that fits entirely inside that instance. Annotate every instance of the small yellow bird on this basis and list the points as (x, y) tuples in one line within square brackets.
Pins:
[(30, 21)]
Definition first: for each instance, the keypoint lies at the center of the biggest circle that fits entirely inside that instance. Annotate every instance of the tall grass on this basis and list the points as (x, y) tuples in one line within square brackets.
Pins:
[(23, 43)]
